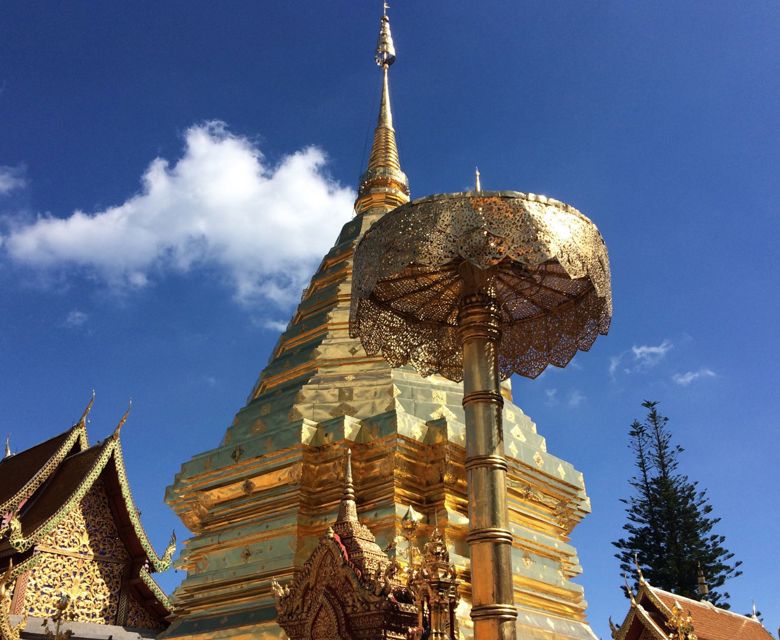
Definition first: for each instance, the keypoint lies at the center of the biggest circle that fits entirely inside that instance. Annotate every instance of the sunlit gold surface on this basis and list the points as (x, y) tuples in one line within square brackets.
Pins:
[(407, 434), (477, 286)]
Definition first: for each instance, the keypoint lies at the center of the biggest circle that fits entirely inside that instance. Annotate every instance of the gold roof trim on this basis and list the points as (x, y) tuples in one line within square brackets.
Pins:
[(111, 449), (77, 433)]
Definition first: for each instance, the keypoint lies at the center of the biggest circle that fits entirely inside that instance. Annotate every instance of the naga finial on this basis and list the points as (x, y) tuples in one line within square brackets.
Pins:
[(639, 573), (122, 421), (629, 590), (8, 452), (85, 414), (613, 628)]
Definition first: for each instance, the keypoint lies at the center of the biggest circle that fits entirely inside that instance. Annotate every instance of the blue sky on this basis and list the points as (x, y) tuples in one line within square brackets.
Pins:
[(249, 123)]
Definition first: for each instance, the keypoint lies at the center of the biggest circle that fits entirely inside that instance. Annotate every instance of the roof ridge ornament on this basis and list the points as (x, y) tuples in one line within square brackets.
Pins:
[(122, 420), (85, 414), (8, 452)]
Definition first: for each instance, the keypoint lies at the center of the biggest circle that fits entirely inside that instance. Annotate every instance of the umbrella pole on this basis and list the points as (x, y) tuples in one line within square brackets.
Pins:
[(489, 538)]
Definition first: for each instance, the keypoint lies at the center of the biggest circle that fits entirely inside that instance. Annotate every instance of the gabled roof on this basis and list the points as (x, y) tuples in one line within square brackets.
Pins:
[(68, 478), (655, 609), (711, 622), (22, 474)]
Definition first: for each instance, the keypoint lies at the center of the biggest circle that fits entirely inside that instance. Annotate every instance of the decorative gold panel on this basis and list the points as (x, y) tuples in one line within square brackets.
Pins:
[(84, 558)]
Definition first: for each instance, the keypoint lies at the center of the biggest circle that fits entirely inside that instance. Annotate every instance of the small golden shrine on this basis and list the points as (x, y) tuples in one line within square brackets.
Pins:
[(72, 547), (655, 614), (348, 589)]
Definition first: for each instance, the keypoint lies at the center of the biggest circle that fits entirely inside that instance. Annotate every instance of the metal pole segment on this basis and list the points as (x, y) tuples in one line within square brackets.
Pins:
[(489, 538)]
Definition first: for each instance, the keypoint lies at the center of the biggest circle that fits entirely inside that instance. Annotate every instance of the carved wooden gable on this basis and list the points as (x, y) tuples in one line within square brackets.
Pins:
[(85, 558)]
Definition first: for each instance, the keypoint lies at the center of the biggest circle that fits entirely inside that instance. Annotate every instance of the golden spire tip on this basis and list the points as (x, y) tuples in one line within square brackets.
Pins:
[(385, 49)]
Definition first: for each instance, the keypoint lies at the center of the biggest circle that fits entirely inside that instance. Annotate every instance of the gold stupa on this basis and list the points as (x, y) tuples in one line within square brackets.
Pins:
[(260, 502)]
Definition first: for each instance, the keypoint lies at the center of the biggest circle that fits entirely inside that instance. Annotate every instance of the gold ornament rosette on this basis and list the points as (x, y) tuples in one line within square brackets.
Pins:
[(543, 262)]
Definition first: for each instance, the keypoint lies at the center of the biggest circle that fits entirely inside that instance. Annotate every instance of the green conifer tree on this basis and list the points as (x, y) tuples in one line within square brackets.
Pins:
[(669, 529)]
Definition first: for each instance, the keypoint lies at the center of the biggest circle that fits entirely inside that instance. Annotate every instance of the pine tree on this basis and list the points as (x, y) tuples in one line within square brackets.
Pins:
[(669, 531)]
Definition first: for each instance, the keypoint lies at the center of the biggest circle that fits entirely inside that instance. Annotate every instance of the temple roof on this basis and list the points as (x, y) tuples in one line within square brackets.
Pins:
[(711, 622), (41, 485), (659, 611), (21, 474)]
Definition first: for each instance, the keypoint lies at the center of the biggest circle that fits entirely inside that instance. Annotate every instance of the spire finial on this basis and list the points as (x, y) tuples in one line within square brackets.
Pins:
[(477, 183), (383, 186), (8, 452), (348, 508), (385, 49)]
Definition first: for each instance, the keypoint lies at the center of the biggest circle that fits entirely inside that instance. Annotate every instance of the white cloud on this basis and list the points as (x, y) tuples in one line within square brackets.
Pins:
[(552, 396), (221, 204), (648, 356), (11, 178), (76, 318), (642, 357), (273, 325), (684, 379), (576, 398)]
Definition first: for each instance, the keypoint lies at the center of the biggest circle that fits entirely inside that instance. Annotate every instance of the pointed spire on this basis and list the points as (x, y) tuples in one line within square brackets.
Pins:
[(477, 183), (383, 186), (348, 508), (8, 452)]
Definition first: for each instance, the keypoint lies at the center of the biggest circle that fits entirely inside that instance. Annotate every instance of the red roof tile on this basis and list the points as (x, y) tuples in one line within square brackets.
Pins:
[(712, 623)]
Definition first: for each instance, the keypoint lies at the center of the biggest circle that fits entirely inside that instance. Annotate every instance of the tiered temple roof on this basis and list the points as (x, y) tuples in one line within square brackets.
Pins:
[(658, 614), (68, 525)]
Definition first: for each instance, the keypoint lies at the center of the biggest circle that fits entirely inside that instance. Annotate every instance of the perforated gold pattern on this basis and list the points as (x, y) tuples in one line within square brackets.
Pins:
[(542, 261), (84, 558), (93, 588), (89, 529)]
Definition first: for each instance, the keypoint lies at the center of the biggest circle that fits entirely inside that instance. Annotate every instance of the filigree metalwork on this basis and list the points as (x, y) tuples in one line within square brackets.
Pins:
[(542, 261)]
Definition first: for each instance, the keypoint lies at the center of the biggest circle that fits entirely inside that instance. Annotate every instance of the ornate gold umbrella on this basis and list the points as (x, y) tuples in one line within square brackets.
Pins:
[(476, 286)]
